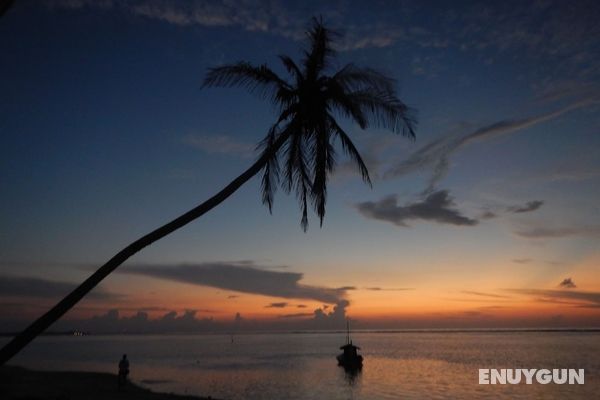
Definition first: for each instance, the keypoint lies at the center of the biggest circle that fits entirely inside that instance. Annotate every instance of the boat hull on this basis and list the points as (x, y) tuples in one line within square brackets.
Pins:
[(350, 362)]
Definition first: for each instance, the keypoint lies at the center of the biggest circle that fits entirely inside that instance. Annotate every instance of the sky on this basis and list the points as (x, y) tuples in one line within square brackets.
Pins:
[(489, 219)]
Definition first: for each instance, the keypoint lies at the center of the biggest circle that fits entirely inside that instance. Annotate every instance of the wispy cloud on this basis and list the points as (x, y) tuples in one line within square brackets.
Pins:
[(522, 260), (219, 144), (436, 154), (570, 174), (436, 207), (382, 289), (242, 278), (488, 214), (277, 305), (558, 232), (482, 294), (528, 207), (295, 315), (29, 287), (579, 298)]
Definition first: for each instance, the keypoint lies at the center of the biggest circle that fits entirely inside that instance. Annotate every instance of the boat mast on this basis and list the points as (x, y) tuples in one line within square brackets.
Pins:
[(347, 331)]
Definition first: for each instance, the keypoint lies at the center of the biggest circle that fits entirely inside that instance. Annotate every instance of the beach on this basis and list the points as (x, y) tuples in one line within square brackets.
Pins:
[(22, 383)]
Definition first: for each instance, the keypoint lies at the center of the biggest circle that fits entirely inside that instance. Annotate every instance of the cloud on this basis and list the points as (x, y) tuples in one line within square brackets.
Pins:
[(482, 294), (575, 298), (16, 286), (253, 16), (528, 207), (296, 315), (241, 278), (345, 288), (333, 319), (380, 289), (531, 30), (277, 305), (435, 155), (488, 215), (559, 232), (567, 283), (113, 321), (287, 19), (220, 144), (570, 174), (436, 207), (522, 260)]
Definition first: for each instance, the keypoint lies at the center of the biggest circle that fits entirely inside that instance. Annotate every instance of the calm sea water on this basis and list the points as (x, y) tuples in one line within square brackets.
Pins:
[(408, 365)]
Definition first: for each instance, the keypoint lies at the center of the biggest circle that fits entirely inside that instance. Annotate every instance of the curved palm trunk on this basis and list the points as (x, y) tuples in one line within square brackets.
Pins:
[(42, 323)]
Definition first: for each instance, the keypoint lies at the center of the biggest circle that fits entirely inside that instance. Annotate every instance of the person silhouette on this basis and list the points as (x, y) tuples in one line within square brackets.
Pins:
[(123, 370)]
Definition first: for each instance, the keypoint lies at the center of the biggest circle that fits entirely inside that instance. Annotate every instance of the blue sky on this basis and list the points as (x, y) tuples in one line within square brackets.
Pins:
[(106, 134)]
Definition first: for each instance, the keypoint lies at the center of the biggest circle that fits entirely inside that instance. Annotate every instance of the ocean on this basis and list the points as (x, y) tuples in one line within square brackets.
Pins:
[(397, 365)]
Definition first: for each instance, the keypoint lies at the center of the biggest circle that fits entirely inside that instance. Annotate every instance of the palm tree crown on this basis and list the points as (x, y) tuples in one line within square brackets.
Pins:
[(300, 145)]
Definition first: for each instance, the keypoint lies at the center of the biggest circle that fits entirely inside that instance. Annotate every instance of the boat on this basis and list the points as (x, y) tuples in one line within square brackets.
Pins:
[(349, 359)]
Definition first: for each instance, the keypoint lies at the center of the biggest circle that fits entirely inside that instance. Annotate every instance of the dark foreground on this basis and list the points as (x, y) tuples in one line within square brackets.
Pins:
[(23, 384)]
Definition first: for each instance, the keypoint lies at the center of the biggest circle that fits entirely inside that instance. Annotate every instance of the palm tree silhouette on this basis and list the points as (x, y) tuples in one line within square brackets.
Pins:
[(5, 5), (301, 141)]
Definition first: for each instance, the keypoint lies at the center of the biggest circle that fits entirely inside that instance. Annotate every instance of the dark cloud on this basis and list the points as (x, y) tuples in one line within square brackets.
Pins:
[(232, 296), (579, 299), (301, 306), (522, 260), (241, 278), (559, 232), (15, 286), (344, 288), (435, 155), (528, 207), (488, 215), (436, 207), (482, 294), (113, 321), (567, 283), (277, 305), (296, 315)]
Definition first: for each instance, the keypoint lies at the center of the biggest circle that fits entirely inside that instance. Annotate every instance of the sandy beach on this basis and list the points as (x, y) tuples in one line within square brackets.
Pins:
[(21, 383)]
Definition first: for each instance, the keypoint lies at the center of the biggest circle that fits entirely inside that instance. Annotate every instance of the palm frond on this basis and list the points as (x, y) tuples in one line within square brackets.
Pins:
[(352, 78), (340, 101), (350, 149), (296, 172), (292, 68), (316, 59), (385, 110), (270, 178), (324, 164), (261, 79)]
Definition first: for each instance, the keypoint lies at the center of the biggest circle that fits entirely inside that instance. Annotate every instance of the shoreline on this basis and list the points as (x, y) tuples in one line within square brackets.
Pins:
[(22, 383)]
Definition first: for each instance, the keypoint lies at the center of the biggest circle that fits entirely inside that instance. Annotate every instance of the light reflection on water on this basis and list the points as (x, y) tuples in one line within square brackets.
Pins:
[(412, 365)]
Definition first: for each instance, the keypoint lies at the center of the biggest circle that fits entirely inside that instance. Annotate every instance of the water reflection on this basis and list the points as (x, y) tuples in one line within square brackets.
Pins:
[(351, 375), (303, 367)]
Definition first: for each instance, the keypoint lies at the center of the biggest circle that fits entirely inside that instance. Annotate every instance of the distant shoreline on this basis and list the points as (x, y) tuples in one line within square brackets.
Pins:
[(356, 331), (22, 383)]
